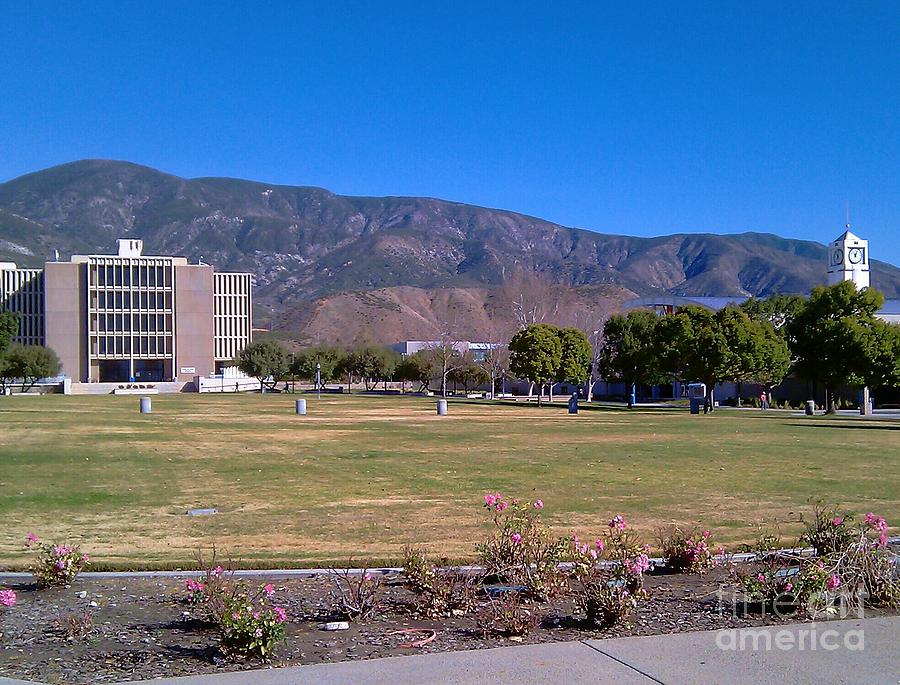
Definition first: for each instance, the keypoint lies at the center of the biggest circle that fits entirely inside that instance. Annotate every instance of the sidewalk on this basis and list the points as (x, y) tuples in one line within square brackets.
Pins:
[(856, 652)]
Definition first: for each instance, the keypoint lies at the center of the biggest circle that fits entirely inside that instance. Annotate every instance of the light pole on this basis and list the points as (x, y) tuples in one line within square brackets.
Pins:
[(318, 380)]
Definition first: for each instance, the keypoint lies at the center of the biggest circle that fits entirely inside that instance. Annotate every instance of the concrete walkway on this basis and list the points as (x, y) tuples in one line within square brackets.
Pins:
[(857, 652)]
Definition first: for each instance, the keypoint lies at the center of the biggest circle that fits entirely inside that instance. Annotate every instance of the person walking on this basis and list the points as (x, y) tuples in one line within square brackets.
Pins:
[(763, 400)]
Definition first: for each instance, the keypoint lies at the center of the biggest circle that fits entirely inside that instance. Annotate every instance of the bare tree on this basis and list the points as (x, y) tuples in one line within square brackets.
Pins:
[(446, 351), (533, 298), (496, 356)]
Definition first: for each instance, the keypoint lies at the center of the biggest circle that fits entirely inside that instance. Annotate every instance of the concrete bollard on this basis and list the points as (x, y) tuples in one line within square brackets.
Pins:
[(145, 405), (442, 407), (810, 407), (301, 407)]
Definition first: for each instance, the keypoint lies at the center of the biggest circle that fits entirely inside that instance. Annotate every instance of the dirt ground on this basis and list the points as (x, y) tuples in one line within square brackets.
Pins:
[(142, 628)]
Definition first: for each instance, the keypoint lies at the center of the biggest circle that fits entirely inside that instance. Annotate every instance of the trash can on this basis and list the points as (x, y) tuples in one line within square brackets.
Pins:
[(573, 403), (697, 405), (300, 407), (442, 407), (810, 407), (145, 405)]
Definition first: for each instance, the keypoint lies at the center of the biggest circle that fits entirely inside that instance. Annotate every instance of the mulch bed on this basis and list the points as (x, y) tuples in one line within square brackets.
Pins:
[(142, 628)]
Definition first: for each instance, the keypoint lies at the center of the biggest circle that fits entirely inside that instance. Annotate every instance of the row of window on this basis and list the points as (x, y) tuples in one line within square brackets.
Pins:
[(126, 323), (103, 299), (136, 275), (138, 346)]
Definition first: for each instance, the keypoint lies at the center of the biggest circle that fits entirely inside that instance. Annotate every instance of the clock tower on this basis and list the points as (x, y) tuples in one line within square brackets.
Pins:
[(848, 260)]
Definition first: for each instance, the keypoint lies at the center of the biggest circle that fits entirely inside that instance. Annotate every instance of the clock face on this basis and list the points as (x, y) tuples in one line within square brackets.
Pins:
[(856, 255), (837, 257)]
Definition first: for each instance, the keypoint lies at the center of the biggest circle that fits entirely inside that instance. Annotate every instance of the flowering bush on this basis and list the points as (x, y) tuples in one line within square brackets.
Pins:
[(609, 575), (521, 549), (250, 624), (441, 593), (56, 564), (508, 615), (829, 532), (208, 593), (688, 551), (865, 566), (356, 595), (7, 598)]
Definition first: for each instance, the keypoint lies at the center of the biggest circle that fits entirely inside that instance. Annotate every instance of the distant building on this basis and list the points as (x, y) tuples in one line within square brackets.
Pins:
[(116, 318), (479, 350)]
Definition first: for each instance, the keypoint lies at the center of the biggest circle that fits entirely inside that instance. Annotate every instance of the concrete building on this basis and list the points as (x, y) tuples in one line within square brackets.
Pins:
[(131, 317)]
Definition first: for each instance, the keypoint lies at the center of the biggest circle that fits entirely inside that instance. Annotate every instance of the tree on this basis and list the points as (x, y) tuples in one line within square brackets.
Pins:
[(327, 357), (628, 353), (29, 363), (371, 363), (769, 358), (469, 373), (445, 354), (883, 355), (776, 310), (695, 344), (830, 338), (416, 368), (266, 361), (9, 326), (575, 357), (535, 354)]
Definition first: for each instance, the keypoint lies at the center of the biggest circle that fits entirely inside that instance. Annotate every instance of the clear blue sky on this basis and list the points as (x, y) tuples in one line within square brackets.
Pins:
[(651, 119)]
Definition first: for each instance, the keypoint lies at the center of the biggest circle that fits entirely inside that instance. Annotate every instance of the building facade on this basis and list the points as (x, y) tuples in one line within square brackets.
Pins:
[(131, 317)]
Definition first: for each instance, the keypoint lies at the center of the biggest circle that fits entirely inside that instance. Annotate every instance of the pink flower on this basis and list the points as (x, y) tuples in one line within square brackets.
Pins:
[(788, 587), (593, 554), (833, 581), (516, 538), (490, 500), (269, 589), (538, 504), (367, 577), (761, 578), (7, 598), (30, 539), (236, 616), (599, 544), (705, 534), (280, 615), (575, 538), (837, 520), (617, 522), (502, 506), (217, 571), (85, 558)]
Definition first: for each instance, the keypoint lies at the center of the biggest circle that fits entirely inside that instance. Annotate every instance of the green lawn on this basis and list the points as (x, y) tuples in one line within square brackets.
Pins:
[(363, 476)]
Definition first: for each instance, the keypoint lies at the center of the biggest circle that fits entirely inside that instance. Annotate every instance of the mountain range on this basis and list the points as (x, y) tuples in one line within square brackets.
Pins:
[(341, 268)]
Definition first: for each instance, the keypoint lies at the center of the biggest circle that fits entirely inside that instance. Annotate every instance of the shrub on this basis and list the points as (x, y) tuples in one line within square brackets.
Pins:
[(356, 595), (522, 550), (687, 551), (76, 625), (829, 532), (7, 598), (508, 615), (609, 575), (56, 564), (440, 592), (865, 566), (208, 593), (250, 625)]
